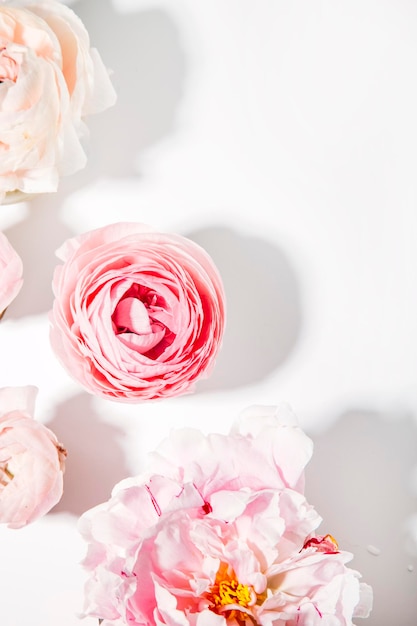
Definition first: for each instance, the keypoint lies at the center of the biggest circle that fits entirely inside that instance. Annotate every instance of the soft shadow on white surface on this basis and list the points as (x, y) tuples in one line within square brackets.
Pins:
[(144, 54), (96, 459), (36, 239), (359, 481), (263, 307)]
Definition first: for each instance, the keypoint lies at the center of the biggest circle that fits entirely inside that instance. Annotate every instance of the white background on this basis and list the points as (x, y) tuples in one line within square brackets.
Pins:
[(282, 136)]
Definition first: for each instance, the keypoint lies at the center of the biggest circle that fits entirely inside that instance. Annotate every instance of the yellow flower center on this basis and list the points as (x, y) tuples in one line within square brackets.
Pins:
[(228, 594), (232, 592)]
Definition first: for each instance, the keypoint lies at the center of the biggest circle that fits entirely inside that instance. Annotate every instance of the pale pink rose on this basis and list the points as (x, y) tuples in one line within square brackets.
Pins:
[(137, 314), (50, 80), (11, 269), (189, 551), (31, 460)]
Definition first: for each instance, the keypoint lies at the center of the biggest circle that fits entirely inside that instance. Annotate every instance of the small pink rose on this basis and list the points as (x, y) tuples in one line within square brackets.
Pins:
[(11, 269), (137, 315), (50, 80), (31, 460)]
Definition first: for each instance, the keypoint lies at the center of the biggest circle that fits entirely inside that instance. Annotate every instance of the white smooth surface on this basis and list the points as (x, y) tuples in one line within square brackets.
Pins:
[(282, 136)]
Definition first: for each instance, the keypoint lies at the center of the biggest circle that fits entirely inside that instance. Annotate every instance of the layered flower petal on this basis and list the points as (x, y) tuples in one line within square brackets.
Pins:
[(50, 80), (196, 549), (31, 460), (268, 450), (137, 314)]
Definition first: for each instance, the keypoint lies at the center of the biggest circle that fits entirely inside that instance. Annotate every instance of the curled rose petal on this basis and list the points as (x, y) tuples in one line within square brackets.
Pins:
[(32, 461), (137, 314), (11, 269), (214, 541), (50, 80)]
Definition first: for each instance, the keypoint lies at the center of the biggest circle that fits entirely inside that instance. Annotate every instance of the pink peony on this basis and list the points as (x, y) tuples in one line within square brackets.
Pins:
[(31, 460), (50, 80), (226, 539), (137, 314), (11, 269)]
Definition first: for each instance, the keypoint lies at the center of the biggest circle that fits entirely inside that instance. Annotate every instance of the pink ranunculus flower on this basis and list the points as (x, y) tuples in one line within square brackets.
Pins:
[(50, 80), (211, 544), (137, 314), (11, 269), (31, 460)]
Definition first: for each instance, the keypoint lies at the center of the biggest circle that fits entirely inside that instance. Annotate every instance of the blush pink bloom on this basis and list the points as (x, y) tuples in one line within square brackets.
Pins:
[(200, 549), (11, 269), (50, 80), (137, 314), (31, 460)]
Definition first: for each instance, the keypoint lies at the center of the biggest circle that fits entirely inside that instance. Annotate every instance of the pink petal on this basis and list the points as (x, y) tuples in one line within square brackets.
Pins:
[(132, 314)]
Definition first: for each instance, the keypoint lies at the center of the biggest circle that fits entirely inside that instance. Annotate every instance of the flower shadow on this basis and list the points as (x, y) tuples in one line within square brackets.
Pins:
[(263, 307), (359, 481), (144, 53), (36, 239), (96, 459)]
